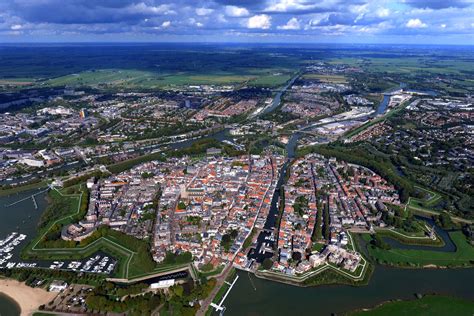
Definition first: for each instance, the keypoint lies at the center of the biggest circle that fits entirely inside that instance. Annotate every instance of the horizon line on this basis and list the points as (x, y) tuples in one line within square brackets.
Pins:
[(225, 43)]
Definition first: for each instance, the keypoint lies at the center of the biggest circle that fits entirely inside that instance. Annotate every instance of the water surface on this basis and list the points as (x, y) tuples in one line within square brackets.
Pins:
[(8, 307)]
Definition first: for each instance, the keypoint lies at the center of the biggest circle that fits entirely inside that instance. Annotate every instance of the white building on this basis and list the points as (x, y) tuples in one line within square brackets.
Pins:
[(32, 162), (163, 284), (57, 286)]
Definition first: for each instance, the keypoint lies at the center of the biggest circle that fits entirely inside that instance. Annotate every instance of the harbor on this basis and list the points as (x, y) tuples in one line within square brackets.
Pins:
[(99, 263), (21, 213)]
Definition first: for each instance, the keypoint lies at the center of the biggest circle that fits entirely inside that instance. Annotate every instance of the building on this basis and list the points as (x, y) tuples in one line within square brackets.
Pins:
[(57, 286), (163, 284), (32, 162)]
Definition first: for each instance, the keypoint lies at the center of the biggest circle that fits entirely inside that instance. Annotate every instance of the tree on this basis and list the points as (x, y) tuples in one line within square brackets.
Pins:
[(267, 263), (318, 229), (226, 238), (378, 242), (326, 228)]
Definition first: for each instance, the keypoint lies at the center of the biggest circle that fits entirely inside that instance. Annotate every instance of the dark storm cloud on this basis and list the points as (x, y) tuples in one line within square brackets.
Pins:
[(86, 12)]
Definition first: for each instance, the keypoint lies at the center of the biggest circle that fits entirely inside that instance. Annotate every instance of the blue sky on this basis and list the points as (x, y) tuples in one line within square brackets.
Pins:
[(288, 21)]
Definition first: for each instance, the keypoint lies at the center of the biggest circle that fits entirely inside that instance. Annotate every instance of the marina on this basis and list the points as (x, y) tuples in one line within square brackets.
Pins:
[(20, 212), (7, 245), (100, 263)]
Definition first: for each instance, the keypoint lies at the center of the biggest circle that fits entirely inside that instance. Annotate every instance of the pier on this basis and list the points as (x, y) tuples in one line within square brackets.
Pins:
[(29, 197), (34, 202), (221, 308)]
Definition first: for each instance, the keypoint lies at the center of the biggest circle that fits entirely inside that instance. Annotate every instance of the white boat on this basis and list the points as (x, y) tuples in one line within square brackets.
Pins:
[(11, 265)]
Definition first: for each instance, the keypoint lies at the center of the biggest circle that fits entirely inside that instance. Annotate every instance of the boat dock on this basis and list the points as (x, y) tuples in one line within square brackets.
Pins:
[(221, 308), (28, 197)]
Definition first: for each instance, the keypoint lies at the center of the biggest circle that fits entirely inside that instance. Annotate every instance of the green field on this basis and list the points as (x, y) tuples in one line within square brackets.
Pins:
[(429, 305), (271, 80), (123, 78), (326, 78), (406, 64), (463, 256)]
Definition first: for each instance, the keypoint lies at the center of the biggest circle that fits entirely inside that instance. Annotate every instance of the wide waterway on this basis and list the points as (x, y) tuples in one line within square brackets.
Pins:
[(254, 296), (277, 99)]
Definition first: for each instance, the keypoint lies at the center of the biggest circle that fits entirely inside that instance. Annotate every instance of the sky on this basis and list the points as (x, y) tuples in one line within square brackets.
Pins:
[(255, 21)]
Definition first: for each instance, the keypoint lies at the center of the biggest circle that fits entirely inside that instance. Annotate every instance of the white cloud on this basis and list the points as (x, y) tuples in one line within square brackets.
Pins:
[(203, 11), (234, 11), (221, 18), (143, 8), (16, 27), (261, 21), (383, 12), (199, 24), (292, 24), (415, 24), (289, 5), (443, 25), (166, 24)]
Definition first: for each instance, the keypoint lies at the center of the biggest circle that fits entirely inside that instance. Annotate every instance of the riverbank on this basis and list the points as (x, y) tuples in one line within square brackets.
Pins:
[(325, 275), (22, 188), (29, 299), (428, 305)]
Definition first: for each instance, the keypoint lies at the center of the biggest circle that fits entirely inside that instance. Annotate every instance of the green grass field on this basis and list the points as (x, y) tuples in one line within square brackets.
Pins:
[(429, 305), (122, 78), (431, 198), (271, 80), (464, 255), (405, 64), (326, 78)]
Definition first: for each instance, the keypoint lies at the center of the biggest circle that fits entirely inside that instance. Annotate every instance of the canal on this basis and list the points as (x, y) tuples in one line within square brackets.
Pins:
[(277, 99)]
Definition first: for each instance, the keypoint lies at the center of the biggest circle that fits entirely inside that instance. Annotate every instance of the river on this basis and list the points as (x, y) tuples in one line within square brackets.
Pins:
[(382, 108), (277, 99), (254, 296)]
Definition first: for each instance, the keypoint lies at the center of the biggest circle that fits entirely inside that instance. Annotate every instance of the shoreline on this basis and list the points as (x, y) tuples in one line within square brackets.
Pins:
[(28, 299)]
